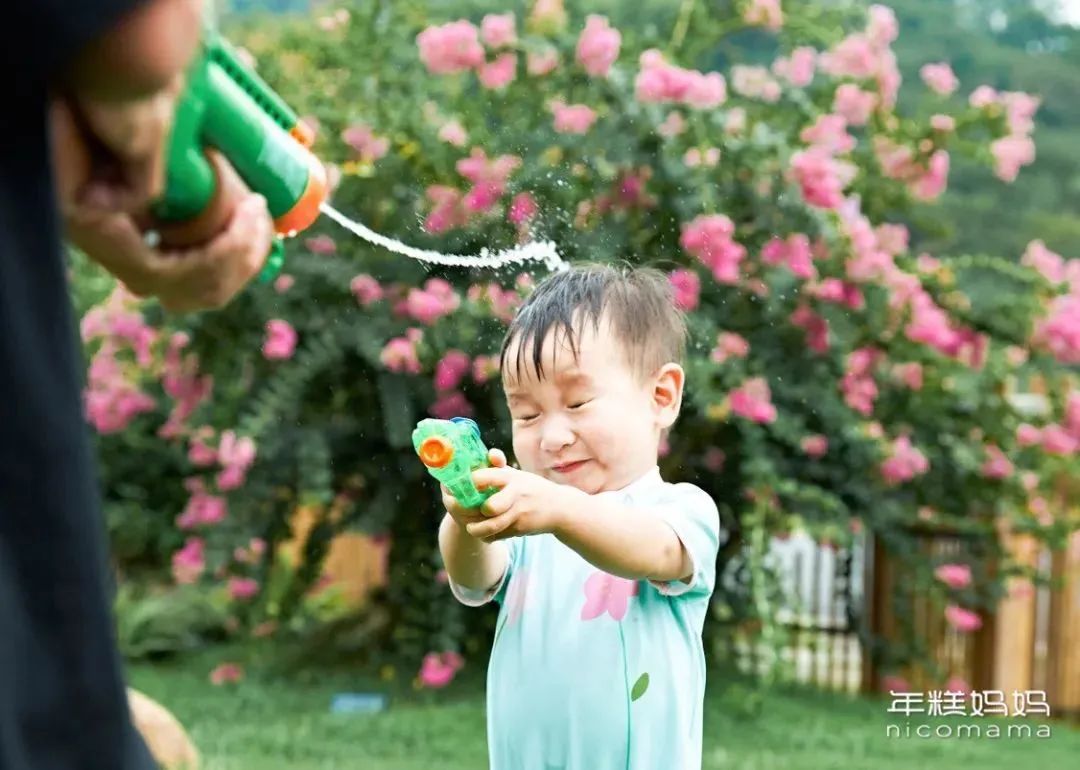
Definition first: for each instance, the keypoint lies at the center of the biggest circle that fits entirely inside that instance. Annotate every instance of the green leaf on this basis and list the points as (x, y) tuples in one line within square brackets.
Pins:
[(640, 686)]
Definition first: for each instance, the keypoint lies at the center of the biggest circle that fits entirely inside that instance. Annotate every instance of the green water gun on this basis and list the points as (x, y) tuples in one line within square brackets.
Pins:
[(226, 107), (452, 449)]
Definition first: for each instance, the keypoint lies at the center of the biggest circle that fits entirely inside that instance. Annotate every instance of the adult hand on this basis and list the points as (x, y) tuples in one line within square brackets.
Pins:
[(101, 204)]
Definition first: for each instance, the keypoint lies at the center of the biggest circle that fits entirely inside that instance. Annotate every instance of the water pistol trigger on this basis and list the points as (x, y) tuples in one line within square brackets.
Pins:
[(275, 260)]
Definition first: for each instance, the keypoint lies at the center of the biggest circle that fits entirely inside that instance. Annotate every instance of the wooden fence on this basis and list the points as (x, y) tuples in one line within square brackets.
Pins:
[(1030, 643)]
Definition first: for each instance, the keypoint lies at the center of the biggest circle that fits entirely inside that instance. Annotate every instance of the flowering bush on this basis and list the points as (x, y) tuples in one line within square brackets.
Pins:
[(839, 379)]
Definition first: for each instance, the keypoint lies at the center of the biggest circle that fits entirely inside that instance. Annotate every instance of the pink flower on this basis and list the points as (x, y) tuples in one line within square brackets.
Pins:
[(453, 47), (366, 289), (1049, 264), (930, 184), (882, 27), (957, 684), (816, 327), (939, 78), (821, 177), (687, 288), (798, 70), (451, 369), (449, 405), (523, 208), (547, 16), (911, 374), (764, 13), (964, 621), (320, 244), (489, 177), (944, 123), (1059, 332), (283, 283), (437, 670), (709, 238), (236, 456), (572, 118), (538, 63), (829, 133), (280, 340), (484, 368), (815, 446), (894, 684), (598, 46), (448, 211), (1072, 413), (226, 673), (606, 593), (427, 307), (858, 385), (794, 252), (201, 454), (243, 588), (1028, 435), (202, 509), (905, 462), (997, 465), (855, 57), (853, 104), (673, 125), (365, 142), (753, 401), (892, 238), (1011, 153), (497, 30), (660, 82), (755, 82), (956, 576), (399, 355), (499, 73), (452, 132), (188, 563), (1057, 441), (728, 345), (840, 292)]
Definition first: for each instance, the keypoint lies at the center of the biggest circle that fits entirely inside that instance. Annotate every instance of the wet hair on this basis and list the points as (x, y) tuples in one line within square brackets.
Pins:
[(638, 302)]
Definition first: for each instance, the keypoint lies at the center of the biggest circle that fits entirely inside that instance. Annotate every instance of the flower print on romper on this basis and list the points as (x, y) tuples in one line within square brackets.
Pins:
[(516, 596), (607, 593)]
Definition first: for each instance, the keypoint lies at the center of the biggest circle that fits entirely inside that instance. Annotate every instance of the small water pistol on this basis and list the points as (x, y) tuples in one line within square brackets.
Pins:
[(227, 107), (452, 449)]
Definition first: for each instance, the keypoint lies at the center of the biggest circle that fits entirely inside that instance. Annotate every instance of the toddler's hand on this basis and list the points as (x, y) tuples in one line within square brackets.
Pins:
[(526, 504), (465, 516)]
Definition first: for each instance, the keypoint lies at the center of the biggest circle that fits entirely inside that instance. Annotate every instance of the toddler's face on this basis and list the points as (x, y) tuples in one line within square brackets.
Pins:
[(592, 423)]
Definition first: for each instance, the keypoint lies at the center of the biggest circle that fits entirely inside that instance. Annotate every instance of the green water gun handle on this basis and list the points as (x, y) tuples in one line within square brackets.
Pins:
[(451, 450), (226, 107)]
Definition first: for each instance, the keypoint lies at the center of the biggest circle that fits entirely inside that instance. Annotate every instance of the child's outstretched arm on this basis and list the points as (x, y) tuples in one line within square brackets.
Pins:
[(634, 543), (627, 541), (469, 562)]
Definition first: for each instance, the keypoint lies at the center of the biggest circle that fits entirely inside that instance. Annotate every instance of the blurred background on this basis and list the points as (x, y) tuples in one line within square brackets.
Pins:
[(868, 213)]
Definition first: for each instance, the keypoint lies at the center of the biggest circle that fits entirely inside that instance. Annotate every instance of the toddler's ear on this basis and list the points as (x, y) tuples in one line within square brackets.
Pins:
[(668, 392)]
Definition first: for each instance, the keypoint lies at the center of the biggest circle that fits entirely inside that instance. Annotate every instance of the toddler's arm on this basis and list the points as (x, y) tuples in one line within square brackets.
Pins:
[(667, 543), (471, 563)]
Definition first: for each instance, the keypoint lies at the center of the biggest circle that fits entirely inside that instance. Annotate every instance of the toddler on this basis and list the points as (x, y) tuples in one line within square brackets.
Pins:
[(602, 569)]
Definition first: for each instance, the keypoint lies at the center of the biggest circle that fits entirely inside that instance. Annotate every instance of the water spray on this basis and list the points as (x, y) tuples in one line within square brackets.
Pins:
[(228, 111)]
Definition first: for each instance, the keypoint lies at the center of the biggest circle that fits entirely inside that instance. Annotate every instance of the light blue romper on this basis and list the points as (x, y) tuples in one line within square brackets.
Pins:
[(594, 672)]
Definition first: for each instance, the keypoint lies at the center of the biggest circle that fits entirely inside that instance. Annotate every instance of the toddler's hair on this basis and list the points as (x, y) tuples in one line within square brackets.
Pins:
[(638, 302)]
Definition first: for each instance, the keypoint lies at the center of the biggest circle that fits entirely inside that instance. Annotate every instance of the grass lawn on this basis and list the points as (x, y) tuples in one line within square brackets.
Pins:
[(284, 723)]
